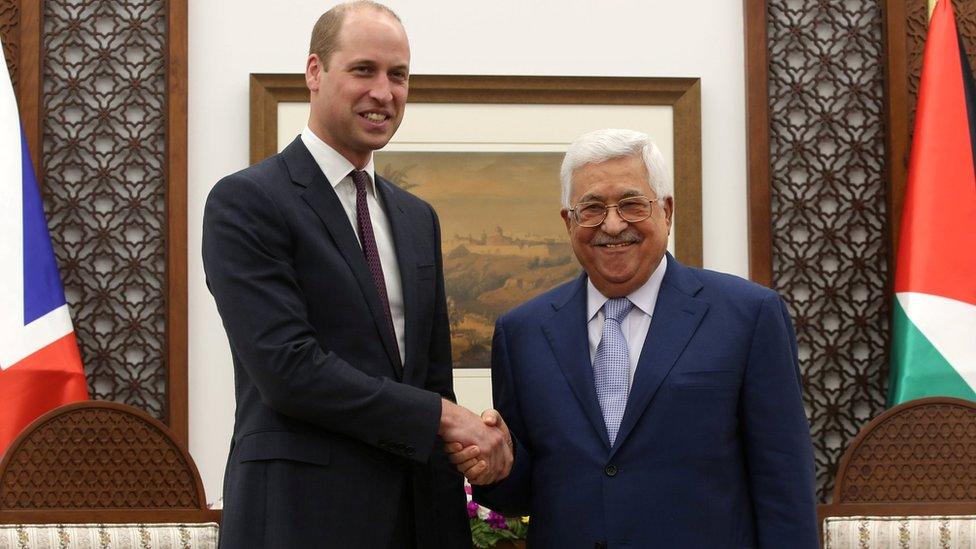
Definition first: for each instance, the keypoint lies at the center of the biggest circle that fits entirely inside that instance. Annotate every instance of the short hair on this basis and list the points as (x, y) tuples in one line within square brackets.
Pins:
[(609, 144), (325, 33)]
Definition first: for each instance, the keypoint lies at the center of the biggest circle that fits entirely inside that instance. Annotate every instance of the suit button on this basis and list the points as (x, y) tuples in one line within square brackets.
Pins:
[(610, 470)]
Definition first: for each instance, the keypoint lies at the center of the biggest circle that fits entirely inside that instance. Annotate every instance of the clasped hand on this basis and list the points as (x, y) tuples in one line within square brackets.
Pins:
[(480, 447)]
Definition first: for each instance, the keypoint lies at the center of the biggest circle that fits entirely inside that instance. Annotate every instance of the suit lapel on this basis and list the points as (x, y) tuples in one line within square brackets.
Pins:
[(567, 335), (677, 315), (321, 197), (405, 242)]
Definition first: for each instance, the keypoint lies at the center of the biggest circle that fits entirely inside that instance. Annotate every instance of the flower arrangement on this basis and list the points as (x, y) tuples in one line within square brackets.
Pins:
[(489, 528)]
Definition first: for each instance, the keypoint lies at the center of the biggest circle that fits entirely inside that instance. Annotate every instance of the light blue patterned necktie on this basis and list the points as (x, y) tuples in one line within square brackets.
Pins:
[(611, 368)]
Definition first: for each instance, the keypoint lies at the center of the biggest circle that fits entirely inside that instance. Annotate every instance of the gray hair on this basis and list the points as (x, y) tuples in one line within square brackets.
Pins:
[(603, 145)]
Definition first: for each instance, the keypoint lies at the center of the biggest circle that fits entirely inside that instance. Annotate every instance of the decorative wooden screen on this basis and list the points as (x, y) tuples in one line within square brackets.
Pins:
[(919, 458), (103, 165), (104, 109), (99, 462), (824, 200), (10, 32)]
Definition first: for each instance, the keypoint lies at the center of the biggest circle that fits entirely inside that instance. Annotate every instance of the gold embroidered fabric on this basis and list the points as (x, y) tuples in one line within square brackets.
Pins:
[(109, 536), (928, 532)]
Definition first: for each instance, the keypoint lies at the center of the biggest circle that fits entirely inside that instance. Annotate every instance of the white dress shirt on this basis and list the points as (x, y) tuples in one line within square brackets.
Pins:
[(337, 169), (637, 321)]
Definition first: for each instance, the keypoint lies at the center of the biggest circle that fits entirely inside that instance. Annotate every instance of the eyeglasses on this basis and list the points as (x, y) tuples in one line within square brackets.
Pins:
[(632, 210)]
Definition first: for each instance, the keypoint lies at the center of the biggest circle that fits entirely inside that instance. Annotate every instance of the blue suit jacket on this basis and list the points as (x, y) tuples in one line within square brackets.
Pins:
[(714, 448)]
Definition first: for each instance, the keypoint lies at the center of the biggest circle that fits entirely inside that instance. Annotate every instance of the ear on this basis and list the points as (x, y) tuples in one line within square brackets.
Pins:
[(668, 207), (569, 222), (313, 69)]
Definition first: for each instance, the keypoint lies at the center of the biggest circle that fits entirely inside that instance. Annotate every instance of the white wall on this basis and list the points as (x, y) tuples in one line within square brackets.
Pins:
[(231, 38)]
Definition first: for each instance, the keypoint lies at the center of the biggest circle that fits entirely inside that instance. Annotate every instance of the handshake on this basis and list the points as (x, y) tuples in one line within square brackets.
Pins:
[(480, 447)]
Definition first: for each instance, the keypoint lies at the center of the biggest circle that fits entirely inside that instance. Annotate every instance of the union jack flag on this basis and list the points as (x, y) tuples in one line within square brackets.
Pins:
[(40, 367)]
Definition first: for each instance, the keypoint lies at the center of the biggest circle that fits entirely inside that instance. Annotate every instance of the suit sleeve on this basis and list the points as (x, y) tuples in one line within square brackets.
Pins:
[(448, 500), (511, 496), (779, 452), (440, 369), (247, 258)]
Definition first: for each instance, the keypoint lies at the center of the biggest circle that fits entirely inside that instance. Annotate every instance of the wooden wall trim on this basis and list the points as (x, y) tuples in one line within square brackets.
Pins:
[(176, 211), (688, 169), (29, 83), (897, 146), (757, 143)]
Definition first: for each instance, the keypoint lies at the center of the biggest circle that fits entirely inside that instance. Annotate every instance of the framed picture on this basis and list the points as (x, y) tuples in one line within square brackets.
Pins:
[(485, 152)]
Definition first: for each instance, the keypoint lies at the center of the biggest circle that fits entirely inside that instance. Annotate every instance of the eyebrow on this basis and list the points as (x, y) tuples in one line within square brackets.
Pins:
[(592, 197), (372, 63)]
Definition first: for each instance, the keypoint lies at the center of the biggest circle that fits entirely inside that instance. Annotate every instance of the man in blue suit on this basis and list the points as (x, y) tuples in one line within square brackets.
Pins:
[(651, 404)]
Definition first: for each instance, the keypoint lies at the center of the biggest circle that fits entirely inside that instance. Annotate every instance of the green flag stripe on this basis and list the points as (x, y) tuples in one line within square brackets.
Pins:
[(917, 368)]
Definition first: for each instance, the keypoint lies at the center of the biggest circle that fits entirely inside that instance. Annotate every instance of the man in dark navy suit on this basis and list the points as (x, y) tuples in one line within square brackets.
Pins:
[(651, 404), (330, 286)]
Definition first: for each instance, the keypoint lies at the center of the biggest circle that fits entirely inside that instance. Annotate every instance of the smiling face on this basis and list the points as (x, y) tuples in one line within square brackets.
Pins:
[(618, 256), (357, 100)]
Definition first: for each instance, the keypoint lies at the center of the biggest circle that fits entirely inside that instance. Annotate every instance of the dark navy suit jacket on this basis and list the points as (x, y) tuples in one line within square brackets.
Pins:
[(714, 447), (329, 427)]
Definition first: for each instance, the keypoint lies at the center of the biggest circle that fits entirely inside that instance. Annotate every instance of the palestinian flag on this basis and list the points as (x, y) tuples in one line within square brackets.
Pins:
[(934, 326)]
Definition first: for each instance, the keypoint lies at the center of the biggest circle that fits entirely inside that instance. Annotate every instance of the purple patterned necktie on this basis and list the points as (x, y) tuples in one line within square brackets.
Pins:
[(368, 241)]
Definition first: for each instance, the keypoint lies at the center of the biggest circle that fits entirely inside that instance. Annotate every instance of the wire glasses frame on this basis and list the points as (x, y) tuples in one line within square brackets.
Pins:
[(593, 214)]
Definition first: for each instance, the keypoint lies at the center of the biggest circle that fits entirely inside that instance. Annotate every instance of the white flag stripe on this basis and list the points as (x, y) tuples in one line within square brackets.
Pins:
[(36, 335), (17, 341), (949, 324), (11, 220)]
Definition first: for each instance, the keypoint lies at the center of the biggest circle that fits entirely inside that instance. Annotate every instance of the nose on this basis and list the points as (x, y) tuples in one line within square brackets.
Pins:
[(381, 90), (613, 224)]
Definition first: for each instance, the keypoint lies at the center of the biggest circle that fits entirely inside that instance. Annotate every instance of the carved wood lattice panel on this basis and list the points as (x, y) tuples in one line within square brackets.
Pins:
[(103, 165), (828, 210), (10, 35), (920, 454), (98, 458)]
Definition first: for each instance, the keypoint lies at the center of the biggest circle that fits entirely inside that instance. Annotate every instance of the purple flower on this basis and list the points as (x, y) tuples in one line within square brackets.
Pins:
[(467, 488), (496, 521), (472, 509)]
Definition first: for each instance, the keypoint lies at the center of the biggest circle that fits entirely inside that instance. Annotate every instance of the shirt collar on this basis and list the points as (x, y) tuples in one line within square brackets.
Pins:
[(335, 166), (643, 298)]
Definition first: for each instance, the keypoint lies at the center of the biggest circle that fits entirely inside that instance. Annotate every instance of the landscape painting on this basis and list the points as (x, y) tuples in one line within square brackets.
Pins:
[(503, 239)]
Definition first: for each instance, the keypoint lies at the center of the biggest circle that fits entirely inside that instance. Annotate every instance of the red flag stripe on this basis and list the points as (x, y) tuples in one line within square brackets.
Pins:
[(39, 383), (937, 253)]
